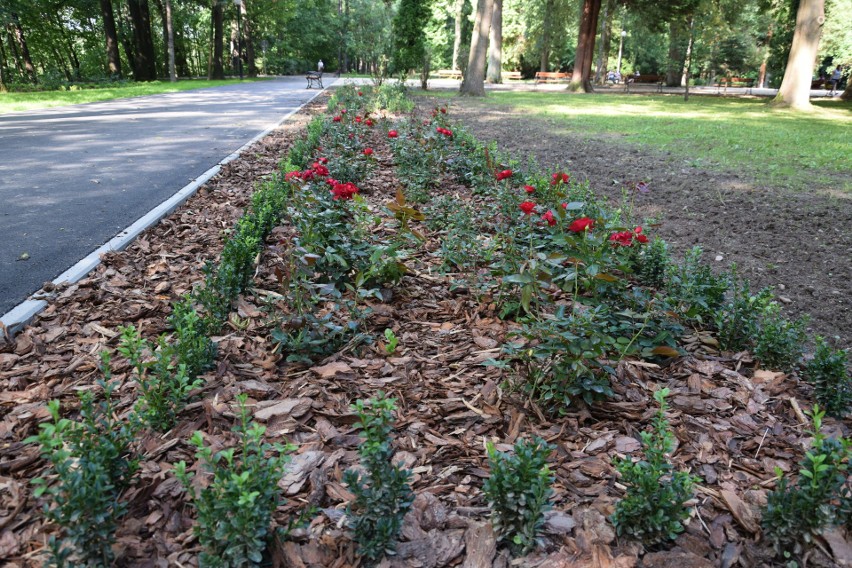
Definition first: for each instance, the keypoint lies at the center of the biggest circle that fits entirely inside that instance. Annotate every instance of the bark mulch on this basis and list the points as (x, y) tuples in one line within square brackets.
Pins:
[(734, 423)]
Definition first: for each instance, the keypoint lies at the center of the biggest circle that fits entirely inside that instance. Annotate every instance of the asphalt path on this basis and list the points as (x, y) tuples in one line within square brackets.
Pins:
[(71, 178)]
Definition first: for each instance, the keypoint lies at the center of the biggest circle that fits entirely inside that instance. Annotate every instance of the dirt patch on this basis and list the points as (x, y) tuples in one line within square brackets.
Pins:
[(798, 243)]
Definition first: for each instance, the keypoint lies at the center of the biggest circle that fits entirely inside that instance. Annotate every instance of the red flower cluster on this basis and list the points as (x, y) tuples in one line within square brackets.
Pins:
[(393, 134), (368, 151), (529, 189), (322, 160), (319, 169), (358, 119), (527, 207), (344, 191), (444, 131), (559, 177), (627, 238), (504, 174), (294, 174), (548, 216), (360, 94), (337, 118), (369, 122), (581, 225)]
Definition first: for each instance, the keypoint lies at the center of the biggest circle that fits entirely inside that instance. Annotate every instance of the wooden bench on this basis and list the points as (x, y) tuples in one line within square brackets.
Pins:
[(735, 82), (449, 74), (545, 76), (512, 75), (314, 78), (644, 80)]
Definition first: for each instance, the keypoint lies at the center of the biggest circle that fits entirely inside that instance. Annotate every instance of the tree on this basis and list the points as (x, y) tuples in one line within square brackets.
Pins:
[(474, 79), (796, 86), (581, 77), (217, 67), (145, 62), (20, 42), (495, 45), (111, 37), (459, 28), (408, 39)]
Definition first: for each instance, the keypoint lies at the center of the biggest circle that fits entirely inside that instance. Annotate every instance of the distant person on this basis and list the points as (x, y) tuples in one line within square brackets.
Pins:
[(320, 66), (835, 79)]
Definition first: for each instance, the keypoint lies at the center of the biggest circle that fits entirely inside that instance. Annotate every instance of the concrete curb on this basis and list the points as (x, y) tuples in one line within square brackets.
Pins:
[(13, 321)]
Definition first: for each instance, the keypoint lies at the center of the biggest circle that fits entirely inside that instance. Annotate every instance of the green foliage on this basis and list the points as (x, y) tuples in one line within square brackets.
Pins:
[(393, 96), (795, 514), (652, 263), (779, 342), (164, 384), (235, 509), (409, 41), (91, 464), (828, 373), (392, 341), (518, 492), (192, 346), (692, 287), (653, 509), (382, 493)]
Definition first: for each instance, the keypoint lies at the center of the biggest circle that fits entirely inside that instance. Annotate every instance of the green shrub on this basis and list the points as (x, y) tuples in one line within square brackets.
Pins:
[(653, 509), (779, 342), (694, 289), (738, 321), (518, 492), (382, 492), (795, 514), (827, 372), (235, 509), (164, 384), (192, 346), (652, 263), (91, 464)]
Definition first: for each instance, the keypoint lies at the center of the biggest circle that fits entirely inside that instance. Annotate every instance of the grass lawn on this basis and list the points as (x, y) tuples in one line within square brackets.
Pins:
[(11, 102), (784, 148)]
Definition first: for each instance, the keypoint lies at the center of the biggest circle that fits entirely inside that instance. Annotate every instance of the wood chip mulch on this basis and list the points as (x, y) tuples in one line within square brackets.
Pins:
[(734, 423)]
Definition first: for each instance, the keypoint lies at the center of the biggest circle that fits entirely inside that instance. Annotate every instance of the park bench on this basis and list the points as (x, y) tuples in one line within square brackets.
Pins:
[(449, 74), (314, 78), (735, 82), (644, 80), (545, 76), (512, 75)]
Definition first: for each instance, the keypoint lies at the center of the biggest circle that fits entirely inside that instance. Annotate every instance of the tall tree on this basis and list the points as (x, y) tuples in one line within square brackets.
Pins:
[(217, 68), (113, 57), (678, 40), (606, 40), (581, 77), (546, 35), (457, 39), (408, 40), (495, 44), (145, 62), (23, 49), (796, 86), (474, 79), (170, 41)]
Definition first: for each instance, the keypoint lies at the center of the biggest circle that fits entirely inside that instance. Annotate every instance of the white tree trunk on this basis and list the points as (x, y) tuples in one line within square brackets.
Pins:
[(474, 79), (796, 86), (171, 39), (495, 45), (458, 37)]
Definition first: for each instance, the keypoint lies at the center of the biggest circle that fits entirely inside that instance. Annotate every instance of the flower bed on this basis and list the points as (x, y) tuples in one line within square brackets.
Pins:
[(495, 303)]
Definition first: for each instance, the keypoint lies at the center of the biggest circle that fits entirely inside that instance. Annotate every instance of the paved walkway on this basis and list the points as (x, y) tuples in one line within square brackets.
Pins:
[(71, 178)]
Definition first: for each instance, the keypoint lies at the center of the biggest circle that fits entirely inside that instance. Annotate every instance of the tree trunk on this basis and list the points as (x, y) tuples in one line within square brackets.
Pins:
[(761, 77), (21, 40), (547, 26), (495, 44), (170, 33), (457, 41), (687, 61), (581, 77), (233, 48), (677, 55), (145, 62), (217, 68), (248, 41), (124, 36), (847, 93), (113, 57), (474, 79), (606, 41), (796, 86), (3, 73)]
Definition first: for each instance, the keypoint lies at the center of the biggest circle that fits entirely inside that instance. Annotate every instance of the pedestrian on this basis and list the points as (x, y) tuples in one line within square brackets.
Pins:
[(835, 79), (320, 66)]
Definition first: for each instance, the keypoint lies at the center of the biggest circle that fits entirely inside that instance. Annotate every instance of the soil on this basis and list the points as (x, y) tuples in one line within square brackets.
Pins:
[(798, 243), (734, 423)]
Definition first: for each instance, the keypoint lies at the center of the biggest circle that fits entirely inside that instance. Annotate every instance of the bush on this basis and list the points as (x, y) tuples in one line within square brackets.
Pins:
[(518, 492), (827, 372), (779, 342), (653, 509), (694, 289), (235, 509), (382, 493), (92, 464), (738, 321)]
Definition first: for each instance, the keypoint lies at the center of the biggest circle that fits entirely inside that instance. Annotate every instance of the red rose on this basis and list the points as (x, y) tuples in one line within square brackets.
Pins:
[(368, 151), (551, 220), (642, 238), (319, 169), (322, 160), (360, 94), (624, 238), (504, 174), (559, 177), (529, 189), (527, 207), (337, 118), (393, 134), (443, 110), (343, 111), (369, 122), (344, 191), (290, 175), (358, 119), (581, 225)]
